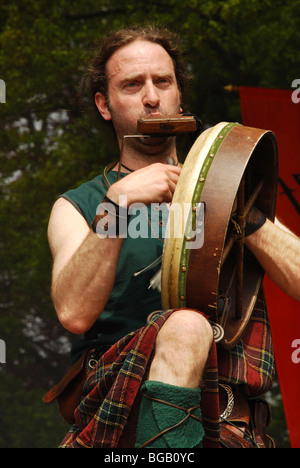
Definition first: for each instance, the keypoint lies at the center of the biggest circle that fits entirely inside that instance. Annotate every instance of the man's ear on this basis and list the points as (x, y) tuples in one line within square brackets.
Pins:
[(102, 106)]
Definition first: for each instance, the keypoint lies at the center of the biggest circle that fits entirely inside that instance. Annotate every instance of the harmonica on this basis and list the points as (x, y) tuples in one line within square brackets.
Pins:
[(169, 125)]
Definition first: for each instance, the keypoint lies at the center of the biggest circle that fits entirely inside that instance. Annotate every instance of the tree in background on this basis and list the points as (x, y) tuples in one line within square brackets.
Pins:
[(48, 145)]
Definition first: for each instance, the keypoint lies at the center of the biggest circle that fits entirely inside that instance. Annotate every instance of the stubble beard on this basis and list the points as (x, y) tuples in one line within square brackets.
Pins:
[(146, 146)]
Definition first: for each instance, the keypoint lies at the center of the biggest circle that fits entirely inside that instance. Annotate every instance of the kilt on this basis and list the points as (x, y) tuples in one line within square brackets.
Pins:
[(112, 393), (107, 414), (251, 362)]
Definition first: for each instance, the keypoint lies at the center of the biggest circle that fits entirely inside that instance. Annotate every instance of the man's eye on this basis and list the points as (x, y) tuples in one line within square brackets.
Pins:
[(132, 85), (164, 82)]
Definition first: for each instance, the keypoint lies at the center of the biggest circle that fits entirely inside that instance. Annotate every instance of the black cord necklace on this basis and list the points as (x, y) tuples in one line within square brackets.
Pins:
[(127, 168), (170, 161)]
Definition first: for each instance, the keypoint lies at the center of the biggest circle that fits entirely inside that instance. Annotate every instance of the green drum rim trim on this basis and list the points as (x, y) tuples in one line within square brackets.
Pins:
[(185, 253)]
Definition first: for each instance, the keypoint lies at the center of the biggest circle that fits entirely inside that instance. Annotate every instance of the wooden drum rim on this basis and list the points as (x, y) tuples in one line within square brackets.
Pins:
[(213, 168)]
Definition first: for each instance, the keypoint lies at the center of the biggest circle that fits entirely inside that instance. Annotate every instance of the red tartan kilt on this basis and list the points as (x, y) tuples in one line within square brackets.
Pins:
[(107, 414), (251, 363)]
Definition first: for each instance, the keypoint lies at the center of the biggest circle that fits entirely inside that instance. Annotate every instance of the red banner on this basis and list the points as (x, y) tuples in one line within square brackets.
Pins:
[(276, 110)]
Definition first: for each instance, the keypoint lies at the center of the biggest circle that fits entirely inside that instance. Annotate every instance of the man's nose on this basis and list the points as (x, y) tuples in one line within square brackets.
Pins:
[(151, 96)]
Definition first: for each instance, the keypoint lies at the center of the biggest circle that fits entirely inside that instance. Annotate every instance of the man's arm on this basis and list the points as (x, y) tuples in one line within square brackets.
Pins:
[(278, 251), (84, 268)]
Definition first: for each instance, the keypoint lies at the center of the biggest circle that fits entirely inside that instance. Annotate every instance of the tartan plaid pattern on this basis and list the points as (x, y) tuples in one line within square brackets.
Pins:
[(251, 362), (112, 388)]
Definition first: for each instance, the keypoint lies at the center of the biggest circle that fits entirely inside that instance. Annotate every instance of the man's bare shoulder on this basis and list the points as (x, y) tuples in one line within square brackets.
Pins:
[(62, 208), (66, 226)]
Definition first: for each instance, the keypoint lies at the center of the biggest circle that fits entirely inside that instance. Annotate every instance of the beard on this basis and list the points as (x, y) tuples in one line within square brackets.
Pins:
[(151, 146)]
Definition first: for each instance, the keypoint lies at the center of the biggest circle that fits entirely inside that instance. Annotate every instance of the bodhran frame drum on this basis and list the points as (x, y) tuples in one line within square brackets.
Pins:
[(229, 169)]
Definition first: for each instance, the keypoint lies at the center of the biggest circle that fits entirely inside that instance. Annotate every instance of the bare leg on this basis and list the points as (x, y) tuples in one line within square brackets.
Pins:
[(182, 348)]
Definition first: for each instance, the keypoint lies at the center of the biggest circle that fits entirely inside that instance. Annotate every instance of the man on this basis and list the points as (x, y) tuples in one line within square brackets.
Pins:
[(138, 73)]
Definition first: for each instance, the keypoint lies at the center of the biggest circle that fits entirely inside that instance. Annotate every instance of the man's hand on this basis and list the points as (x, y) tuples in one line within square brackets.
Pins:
[(152, 184)]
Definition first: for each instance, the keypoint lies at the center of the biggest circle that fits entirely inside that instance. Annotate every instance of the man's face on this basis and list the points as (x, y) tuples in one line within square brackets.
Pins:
[(141, 82)]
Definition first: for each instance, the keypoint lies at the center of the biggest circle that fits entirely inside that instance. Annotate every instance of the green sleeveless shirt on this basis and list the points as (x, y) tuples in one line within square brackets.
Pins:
[(131, 300)]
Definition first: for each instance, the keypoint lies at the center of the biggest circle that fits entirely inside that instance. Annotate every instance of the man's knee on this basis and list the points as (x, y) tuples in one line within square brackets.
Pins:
[(182, 347), (186, 327)]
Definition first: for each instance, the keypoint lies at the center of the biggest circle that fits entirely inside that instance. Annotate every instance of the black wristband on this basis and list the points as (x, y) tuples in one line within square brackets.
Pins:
[(256, 219), (113, 220), (121, 212)]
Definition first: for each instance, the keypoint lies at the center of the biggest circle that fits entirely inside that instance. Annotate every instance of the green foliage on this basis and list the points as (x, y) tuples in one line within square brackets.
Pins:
[(47, 145), (26, 422), (277, 429)]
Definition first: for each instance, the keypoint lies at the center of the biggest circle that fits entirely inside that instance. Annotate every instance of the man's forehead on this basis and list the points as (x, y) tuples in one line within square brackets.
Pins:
[(135, 56)]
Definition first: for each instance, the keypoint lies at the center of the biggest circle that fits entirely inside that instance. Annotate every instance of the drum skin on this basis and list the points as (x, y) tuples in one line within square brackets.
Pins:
[(200, 278)]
